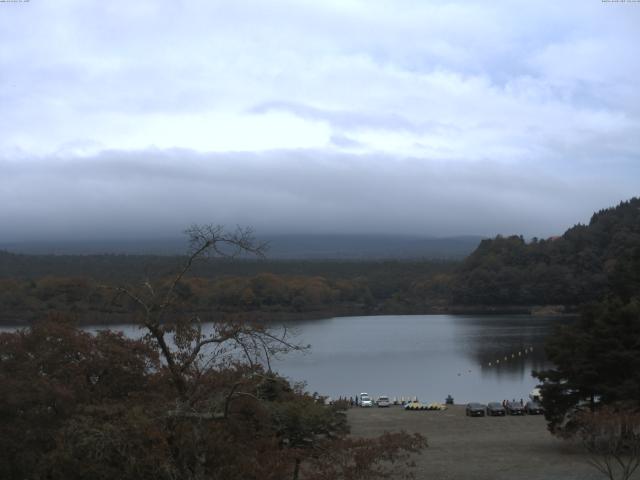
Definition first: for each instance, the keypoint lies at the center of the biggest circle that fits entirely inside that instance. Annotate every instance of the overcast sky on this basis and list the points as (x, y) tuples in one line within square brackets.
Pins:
[(419, 117)]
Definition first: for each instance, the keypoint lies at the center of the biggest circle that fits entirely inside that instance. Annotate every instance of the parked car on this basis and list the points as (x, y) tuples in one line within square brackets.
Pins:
[(495, 409), (365, 400), (514, 408), (533, 408), (383, 401), (475, 409)]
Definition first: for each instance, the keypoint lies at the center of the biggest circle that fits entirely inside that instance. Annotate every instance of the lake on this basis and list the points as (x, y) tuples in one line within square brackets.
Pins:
[(472, 357)]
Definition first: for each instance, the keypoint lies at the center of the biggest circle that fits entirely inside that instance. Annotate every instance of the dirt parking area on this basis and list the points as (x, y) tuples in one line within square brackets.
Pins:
[(479, 448)]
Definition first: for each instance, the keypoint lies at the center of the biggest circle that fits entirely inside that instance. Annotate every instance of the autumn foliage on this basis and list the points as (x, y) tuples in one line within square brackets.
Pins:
[(185, 401)]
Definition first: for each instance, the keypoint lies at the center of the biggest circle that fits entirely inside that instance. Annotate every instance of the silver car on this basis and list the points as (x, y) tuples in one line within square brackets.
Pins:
[(365, 400)]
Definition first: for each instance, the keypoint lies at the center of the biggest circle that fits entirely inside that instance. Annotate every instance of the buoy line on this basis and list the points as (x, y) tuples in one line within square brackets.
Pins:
[(513, 355)]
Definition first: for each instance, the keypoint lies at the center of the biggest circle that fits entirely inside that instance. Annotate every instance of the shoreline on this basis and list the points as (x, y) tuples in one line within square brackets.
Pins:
[(95, 318)]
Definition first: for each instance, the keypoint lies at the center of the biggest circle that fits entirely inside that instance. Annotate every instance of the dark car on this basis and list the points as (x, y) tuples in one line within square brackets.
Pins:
[(475, 410), (514, 408), (495, 409), (533, 408)]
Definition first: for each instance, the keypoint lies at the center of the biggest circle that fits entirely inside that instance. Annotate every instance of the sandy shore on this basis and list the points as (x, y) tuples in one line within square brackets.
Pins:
[(482, 448)]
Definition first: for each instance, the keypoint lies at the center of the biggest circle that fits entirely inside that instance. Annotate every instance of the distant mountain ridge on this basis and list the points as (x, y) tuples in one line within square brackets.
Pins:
[(367, 247), (300, 246)]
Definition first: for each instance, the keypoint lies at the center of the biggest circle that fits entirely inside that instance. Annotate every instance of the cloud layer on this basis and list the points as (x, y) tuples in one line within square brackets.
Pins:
[(439, 117), (159, 192)]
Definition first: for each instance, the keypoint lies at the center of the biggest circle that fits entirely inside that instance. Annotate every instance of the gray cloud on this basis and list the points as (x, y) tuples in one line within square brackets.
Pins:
[(118, 194)]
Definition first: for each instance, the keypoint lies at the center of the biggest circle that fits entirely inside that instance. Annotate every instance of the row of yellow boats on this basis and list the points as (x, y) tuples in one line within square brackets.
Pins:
[(425, 406)]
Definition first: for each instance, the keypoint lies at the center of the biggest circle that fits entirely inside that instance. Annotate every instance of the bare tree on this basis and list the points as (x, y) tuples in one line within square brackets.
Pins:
[(186, 349), (611, 435)]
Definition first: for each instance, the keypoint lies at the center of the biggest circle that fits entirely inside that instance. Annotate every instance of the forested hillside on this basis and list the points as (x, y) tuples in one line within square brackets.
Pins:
[(583, 264)]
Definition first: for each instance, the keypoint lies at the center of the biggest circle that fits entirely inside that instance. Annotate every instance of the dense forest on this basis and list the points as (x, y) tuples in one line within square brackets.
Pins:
[(583, 264), (31, 285)]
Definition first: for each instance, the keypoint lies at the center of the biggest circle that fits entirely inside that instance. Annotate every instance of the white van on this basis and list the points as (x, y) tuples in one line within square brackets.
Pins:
[(365, 400)]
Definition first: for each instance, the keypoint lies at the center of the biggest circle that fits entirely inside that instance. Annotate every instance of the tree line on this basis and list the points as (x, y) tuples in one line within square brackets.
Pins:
[(320, 288)]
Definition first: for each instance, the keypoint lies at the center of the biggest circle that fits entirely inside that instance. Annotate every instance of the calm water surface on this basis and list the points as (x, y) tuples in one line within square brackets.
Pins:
[(428, 356)]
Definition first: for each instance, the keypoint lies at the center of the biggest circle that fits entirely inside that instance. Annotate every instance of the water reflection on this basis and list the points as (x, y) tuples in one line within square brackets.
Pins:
[(428, 356), (504, 346)]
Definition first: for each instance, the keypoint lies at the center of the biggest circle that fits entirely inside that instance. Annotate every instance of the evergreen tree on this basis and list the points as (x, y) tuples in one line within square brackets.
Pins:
[(597, 362)]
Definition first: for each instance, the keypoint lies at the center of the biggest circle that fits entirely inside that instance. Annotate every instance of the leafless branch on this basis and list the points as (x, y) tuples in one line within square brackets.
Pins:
[(611, 435), (149, 287), (186, 364), (128, 293)]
